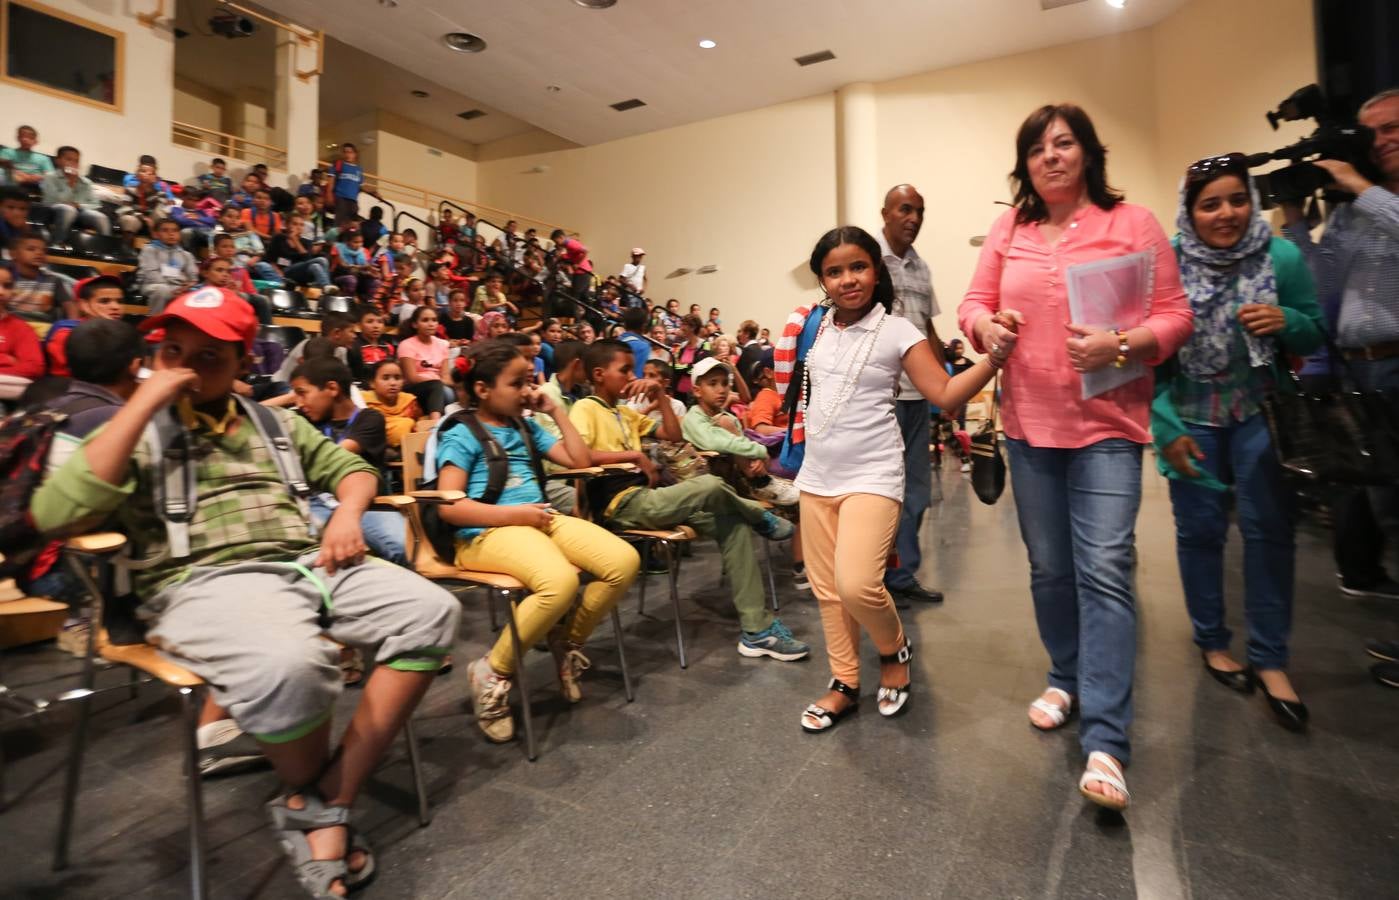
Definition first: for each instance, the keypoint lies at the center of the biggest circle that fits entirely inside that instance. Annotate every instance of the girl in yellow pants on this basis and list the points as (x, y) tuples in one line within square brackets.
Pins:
[(516, 532)]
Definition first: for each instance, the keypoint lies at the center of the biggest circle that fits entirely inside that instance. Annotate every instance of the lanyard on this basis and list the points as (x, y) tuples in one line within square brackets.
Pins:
[(327, 429)]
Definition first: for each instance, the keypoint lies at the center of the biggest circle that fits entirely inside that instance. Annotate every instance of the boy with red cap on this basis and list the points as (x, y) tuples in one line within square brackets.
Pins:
[(241, 592), (99, 297)]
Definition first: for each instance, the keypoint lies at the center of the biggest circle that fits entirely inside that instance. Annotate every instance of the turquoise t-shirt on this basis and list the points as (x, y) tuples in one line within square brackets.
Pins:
[(457, 447)]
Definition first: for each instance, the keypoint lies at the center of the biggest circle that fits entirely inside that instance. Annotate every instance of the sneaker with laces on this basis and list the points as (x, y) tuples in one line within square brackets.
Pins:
[(778, 491), (776, 641), (570, 663), (490, 700), (966, 466), (800, 580), (775, 528), (73, 638), (224, 748)]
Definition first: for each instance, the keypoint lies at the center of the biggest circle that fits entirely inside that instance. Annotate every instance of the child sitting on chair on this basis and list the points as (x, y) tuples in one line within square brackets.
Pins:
[(708, 425), (242, 594), (516, 532)]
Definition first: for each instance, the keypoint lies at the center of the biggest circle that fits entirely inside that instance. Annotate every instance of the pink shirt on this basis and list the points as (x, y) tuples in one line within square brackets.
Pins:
[(1041, 399), (429, 356)]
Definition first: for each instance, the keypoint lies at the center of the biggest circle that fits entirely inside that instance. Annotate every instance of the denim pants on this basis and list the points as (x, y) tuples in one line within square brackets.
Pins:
[(264, 272), (1241, 453), (1078, 513), (918, 490), (384, 532), (65, 215), (311, 271)]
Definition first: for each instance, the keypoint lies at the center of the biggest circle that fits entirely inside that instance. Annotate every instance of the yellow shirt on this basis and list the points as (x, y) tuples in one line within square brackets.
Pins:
[(611, 429)]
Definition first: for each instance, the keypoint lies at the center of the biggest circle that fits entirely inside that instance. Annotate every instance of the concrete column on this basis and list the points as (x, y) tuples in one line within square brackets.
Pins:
[(297, 105), (857, 145)]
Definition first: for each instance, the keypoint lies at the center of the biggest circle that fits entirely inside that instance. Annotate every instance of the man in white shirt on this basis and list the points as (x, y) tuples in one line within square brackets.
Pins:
[(634, 272), (913, 300)]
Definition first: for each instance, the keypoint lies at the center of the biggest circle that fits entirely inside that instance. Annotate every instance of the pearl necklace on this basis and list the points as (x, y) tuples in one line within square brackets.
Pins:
[(859, 357)]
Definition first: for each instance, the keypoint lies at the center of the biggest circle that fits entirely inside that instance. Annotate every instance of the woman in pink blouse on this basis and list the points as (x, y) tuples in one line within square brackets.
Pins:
[(1075, 463)]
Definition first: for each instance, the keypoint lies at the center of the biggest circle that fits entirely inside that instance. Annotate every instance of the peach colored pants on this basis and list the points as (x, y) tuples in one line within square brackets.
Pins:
[(846, 541)]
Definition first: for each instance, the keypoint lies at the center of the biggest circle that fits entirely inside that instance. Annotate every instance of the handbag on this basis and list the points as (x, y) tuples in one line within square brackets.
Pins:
[(988, 460), (793, 451), (1337, 436)]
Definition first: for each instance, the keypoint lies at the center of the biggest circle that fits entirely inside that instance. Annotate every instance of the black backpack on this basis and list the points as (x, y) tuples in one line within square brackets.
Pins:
[(442, 534), (25, 439)]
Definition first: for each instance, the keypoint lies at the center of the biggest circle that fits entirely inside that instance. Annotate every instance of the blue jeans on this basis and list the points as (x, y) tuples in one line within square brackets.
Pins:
[(918, 489), (311, 271), (264, 272), (383, 531), (1265, 521), (1078, 514)]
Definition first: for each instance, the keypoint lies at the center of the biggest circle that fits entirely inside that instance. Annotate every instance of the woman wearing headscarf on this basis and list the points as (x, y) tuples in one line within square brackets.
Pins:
[(1254, 304)]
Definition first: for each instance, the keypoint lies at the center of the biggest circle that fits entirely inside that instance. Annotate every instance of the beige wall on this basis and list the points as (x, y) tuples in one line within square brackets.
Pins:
[(752, 192), (749, 193)]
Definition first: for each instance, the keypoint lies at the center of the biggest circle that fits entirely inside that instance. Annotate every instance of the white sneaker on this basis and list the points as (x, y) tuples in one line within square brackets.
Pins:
[(966, 467), (779, 492)]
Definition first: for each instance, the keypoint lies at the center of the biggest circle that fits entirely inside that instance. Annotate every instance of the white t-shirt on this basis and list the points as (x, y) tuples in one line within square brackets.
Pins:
[(635, 275), (861, 451), (640, 403)]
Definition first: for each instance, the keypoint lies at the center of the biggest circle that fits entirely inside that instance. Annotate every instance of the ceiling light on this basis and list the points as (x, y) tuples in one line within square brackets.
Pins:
[(596, 4), (464, 42), (553, 88), (419, 94), (1117, 4), (707, 44)]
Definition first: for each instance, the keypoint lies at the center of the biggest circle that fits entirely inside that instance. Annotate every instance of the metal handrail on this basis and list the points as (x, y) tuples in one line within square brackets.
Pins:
[(228, 144)]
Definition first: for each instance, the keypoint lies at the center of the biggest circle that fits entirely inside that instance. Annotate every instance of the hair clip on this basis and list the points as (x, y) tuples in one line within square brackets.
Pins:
[(463, 365)]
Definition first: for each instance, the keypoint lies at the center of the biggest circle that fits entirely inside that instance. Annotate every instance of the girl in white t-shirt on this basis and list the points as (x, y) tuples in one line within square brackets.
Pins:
[(852, 477)]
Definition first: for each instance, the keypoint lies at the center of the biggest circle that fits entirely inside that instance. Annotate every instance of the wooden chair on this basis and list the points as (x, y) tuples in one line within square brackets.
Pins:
[(22, 620), (90, 557), (425, 561)]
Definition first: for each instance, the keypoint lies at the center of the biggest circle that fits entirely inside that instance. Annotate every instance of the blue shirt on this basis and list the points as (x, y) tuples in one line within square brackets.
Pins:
[(457, 447), (350, 256), (348, 177), (640, 348)]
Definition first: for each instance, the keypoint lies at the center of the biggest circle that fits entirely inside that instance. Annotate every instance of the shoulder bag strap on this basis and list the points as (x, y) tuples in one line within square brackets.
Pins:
[(497, 461), (269, 428)]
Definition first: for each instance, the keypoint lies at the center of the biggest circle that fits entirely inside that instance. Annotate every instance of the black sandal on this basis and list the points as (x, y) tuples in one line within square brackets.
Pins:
[(896, 698), (825, 718)]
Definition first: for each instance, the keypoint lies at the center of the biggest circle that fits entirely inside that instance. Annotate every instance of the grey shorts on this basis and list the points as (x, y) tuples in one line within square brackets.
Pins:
[(254, 632)]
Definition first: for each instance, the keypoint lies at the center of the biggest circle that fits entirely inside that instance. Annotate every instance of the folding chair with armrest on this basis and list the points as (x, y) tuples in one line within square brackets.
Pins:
[(426, 562), (90, 558)]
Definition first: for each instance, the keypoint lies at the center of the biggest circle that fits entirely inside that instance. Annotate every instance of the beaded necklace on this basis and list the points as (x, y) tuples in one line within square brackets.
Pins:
[(859, 357)]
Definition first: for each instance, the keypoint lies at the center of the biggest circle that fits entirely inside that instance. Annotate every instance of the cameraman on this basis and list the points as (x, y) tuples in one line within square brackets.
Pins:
[(1356, 266)]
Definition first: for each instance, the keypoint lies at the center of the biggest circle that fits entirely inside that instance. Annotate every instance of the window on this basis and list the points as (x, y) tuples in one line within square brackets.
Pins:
[(48, 50)]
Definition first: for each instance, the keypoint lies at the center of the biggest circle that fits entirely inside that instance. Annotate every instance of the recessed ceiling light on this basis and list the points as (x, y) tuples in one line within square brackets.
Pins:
[(419, 94), (596, 4), (553, 88), (464, 42), (1117, 4), (707, 44)]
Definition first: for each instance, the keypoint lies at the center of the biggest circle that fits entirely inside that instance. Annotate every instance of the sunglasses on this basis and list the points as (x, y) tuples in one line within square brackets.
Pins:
[(1215, 165)]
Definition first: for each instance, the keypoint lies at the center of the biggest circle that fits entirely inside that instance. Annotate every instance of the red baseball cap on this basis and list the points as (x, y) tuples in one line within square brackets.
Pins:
[(218, 312)]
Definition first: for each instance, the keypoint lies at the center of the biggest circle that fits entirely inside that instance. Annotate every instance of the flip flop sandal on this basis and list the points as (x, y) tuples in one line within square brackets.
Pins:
[(317, 875), (824, 718), (1113, 778), (1058, 715)]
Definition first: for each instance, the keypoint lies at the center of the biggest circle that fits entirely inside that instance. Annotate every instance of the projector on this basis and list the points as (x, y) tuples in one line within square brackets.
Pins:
[(231, 25)]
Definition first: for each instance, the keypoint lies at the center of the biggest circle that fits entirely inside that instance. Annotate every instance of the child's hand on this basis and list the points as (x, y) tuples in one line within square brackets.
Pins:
[(541, 401), (648, 468), (535, 515), (166, 385), (649, 388)]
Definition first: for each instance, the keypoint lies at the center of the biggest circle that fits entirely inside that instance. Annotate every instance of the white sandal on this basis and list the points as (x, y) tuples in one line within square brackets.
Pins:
[(1113, 778), (1058, 715)]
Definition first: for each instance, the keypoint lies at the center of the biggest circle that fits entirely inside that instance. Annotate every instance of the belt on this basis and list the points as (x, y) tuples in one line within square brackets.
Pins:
[(1387, 350)]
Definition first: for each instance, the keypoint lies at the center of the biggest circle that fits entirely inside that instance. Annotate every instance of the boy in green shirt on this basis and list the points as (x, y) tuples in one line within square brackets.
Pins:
[(245, 603)]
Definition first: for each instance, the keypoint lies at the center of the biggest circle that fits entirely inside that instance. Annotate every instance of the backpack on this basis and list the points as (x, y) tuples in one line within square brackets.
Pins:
[(25, 439), (441, 533)]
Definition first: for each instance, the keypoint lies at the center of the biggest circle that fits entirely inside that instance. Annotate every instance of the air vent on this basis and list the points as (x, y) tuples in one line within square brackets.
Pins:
[(628, 104), (471, 114), (433, 151), (812, 59)]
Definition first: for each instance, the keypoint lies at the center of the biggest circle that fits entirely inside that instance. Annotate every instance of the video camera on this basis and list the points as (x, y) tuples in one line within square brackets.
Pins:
[(1331, 140)]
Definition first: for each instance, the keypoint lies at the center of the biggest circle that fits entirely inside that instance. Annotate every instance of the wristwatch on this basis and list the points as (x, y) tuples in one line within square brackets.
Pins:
[(1123, 348)]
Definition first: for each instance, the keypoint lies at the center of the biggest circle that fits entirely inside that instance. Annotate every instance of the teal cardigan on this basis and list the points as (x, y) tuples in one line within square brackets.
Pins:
[(1301, 334)]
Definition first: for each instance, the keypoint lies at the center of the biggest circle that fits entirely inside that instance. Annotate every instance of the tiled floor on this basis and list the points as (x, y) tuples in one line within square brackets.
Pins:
[(706, 787)]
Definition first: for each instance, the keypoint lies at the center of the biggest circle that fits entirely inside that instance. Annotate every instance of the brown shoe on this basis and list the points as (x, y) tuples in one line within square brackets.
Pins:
[(490, 699), (570, 663)]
